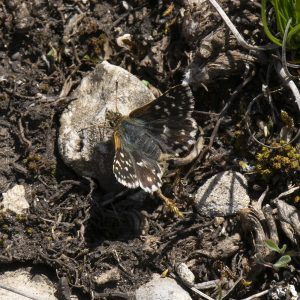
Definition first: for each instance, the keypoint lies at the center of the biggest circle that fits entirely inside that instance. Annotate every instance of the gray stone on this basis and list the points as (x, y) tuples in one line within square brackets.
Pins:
[(85, 139), (162, 289), (185, 274), (21, 282), (222, 195), (14, 199)]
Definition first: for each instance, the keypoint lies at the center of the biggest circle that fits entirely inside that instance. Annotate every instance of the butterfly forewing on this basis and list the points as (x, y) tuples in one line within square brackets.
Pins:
[(169, 118), (177, 101)]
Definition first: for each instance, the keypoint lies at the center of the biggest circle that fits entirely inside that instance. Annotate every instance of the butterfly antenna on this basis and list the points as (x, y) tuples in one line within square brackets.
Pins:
[(117, 85)]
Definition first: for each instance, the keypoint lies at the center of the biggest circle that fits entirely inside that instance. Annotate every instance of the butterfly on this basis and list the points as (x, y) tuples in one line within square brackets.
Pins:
[(143, 139)]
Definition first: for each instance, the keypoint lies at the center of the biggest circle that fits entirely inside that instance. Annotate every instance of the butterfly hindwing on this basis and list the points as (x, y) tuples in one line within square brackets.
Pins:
[(147, 171), (134, 168), (178, 134), (123, 166)]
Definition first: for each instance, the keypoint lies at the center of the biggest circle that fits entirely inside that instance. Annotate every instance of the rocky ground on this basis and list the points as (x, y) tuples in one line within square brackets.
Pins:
[(99, 244)]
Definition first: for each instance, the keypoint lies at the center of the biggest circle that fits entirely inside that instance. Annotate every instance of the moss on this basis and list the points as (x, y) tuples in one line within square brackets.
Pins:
[(297, 199), (29, 230), (21, 218), (284, 160), (38, 164), (5, 228)]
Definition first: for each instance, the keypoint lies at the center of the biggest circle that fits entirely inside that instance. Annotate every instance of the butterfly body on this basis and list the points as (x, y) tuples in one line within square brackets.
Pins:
[(164, 126)]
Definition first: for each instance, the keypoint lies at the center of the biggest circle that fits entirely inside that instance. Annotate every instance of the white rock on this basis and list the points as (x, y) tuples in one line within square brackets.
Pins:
[(15, 200), (185, 274), (222, 195), (161, 289), (125, 41), (37, 287), (85, 139), (292, 291)]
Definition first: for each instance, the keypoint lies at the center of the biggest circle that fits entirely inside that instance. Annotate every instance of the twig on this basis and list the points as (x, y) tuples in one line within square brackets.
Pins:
[(193, 288), (207, 284), (288, 192), (56, 223), (116, 256), (289, 82), (24, 139), (262, 197), (252, 134), (257, 295), (283, 50), (236, 33), (232, 288), (18, 292), (114, 294), (201, 294)]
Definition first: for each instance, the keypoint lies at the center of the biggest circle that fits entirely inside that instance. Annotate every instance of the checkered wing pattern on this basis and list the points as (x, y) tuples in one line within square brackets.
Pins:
[(169, 118), (134, 168), (164, 126), (123, 165)]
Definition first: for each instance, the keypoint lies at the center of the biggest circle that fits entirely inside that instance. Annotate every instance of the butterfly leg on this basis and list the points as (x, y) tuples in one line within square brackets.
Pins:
[(170, 204)]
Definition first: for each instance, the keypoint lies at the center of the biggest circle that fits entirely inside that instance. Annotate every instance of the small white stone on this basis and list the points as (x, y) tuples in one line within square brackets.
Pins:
[(185, 274), (161, 289), (125, 41), (15, 200), (111, 275)]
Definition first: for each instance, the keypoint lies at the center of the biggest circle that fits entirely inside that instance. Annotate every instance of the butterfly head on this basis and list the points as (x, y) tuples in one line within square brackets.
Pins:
[(113, 118)]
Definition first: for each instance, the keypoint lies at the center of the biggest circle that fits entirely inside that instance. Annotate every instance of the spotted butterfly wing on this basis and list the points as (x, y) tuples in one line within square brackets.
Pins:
[(169, 117), (135, 167), (163, 126)]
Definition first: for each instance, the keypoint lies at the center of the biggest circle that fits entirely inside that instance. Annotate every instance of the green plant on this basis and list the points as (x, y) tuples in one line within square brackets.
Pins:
[(284, 10), (284, 260)]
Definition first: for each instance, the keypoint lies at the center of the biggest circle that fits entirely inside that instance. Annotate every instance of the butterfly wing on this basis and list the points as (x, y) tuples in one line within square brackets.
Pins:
[(177, 101), (163, 126), (169, 118), (123, 165), (134, 168), (147, 171)]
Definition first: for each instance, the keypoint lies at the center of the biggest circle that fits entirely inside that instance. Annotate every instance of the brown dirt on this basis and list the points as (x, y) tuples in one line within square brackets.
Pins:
[(72, 227)]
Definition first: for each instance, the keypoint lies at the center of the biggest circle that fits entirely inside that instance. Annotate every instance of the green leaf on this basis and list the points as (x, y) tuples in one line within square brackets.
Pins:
[(265, 24), (282, 250), (282, 262), (283, 10), (273, 246)]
